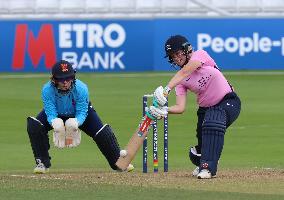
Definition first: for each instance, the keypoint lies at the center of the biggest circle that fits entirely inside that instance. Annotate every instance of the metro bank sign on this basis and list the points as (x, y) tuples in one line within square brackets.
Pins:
[(88, 46), (35, 47)]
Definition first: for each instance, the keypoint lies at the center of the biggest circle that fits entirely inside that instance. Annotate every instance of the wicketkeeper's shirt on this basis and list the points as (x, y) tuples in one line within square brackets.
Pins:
[(73, 104)]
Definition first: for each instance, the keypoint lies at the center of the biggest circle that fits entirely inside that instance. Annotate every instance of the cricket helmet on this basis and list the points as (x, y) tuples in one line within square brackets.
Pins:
[(176, 43), (61, 71)]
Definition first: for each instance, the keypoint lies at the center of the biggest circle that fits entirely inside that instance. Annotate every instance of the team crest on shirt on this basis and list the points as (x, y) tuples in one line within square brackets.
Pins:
[(64, 67)]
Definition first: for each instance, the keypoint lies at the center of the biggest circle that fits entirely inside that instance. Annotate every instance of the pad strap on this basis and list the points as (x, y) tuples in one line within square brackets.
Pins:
[(194, 156)]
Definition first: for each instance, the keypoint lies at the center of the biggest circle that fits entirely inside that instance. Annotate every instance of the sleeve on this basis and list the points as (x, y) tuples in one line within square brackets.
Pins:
[(201, 56), (82, 102), (180, 90), (48, 99)]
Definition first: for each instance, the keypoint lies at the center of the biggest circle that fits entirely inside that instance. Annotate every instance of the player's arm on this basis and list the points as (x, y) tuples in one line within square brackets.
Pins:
[(73, 134), (180, 105), (161, 93), (184, 72), (57, 124), (49, 104), (82, 102)]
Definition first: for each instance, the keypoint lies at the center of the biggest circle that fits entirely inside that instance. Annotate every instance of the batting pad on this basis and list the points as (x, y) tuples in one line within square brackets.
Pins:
[(213, 131)]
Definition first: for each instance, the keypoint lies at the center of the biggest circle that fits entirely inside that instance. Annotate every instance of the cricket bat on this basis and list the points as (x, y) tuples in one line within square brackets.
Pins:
[(134, 144)]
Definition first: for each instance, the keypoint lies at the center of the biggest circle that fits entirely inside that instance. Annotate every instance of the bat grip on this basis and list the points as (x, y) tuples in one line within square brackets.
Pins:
[(145, 124)]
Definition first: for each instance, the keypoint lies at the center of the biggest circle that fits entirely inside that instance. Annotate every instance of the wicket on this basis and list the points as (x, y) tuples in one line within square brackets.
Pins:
[(155, 142)]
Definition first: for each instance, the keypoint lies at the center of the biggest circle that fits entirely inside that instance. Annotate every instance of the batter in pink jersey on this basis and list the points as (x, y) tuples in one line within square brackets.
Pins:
[(207, 82), (219, 105)]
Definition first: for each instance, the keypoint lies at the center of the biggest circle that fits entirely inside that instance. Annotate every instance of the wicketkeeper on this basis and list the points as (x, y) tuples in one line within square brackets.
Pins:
[(67, 110)]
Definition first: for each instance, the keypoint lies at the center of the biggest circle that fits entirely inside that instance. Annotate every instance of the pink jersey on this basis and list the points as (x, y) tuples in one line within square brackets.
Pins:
[(207, 82)]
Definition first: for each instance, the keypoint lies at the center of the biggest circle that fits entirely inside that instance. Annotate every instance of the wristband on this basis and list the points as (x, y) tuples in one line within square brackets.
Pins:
[(167, 90)]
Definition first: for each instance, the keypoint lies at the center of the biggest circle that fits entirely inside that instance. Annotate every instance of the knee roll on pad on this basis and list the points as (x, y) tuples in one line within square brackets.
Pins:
[(194, 156), (39, 140), (108, 145), (213, 130), (215, 120)]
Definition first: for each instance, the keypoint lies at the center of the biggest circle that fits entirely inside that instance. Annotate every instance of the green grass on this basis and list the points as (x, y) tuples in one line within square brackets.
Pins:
[(255, 141), (70, 190)]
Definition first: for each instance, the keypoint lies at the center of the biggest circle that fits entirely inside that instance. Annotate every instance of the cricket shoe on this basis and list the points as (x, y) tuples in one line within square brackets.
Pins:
[(40, 169), (195, 172), (205, 174)]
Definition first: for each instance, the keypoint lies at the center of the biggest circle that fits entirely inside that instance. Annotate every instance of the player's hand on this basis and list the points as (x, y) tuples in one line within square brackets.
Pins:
[(157, 112), (166, 91), (160, 96)]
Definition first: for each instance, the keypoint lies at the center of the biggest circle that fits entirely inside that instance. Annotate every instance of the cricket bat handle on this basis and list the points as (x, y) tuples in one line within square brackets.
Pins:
[(144, 126)]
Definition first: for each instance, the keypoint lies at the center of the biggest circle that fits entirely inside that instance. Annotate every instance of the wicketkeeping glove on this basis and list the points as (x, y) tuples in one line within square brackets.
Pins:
[(73, 134), (59, 133)]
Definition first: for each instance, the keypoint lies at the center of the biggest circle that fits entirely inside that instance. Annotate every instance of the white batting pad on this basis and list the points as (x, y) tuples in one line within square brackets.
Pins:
[(73, 134), (59, 133)]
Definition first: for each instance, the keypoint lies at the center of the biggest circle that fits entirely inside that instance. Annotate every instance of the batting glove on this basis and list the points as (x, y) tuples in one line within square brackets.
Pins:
[(156, 112), (159, 97)]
